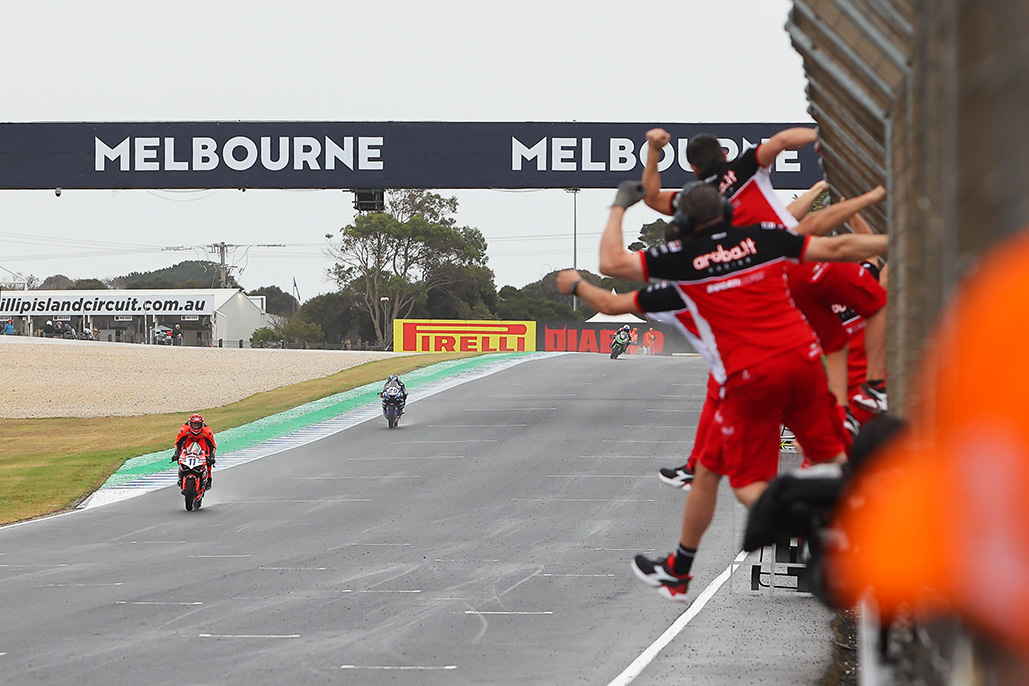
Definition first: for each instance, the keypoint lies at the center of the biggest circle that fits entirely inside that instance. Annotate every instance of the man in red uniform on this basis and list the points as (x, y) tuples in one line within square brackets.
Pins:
[(196, 431), (764, 354), (746, 182)]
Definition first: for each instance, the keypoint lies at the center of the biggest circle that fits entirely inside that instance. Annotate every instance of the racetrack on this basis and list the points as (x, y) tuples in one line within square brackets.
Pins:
[(486, 540)]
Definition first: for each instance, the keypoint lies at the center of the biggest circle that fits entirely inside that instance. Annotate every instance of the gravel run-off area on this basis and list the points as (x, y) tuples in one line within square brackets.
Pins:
[(58, 378)]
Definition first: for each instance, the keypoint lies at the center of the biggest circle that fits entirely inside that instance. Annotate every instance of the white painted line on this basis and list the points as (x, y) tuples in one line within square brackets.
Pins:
[(411, 457), (659, 426), (674, 411), (647, 656), (323, 478), (315, 500), (155, 542), (473, 426), (58, 565), (581, 500), (2, 654), (440, 560), (509, 409), (472, 440), (374, 590), (632, 457), (293, 569), (422, 668), (248, 635), (632, 440), (215, 556), (152, 602), (117, 583), (382, 544), (534, 395), (483, 612), (600, 476)]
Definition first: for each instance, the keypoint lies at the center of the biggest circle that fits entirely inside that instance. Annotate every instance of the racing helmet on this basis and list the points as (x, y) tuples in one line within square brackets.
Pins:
[(392, 378), (625, 327), (196, 423)]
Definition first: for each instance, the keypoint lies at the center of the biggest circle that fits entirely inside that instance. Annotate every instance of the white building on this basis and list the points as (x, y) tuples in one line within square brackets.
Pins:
[(207, 317)]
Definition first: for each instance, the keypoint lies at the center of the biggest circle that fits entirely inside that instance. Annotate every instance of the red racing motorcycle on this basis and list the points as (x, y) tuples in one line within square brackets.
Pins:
[(193, 474)]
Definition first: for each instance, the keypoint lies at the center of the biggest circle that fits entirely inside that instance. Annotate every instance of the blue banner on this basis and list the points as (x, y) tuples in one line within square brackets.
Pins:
[(363, 155)]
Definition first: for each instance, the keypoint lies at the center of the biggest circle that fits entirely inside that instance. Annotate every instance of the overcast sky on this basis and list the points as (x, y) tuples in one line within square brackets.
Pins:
[(594, 60)]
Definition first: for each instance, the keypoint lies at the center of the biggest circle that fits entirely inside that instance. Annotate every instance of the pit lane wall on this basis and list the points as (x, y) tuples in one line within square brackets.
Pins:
[(461, 335)]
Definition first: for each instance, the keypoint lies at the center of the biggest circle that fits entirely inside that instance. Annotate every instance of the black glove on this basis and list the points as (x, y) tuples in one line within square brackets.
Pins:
[(175, 458), (210, 460), (629, 193)]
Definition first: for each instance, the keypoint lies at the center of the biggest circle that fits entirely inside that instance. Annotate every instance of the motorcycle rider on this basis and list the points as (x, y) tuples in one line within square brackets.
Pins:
[(196, 431), (394, 380)]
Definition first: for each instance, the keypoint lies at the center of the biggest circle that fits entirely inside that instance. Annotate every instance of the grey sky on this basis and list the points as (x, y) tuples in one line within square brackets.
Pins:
[(597, 60)]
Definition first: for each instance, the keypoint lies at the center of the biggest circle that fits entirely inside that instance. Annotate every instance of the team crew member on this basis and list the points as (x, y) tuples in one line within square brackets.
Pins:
[(766, 356), (196, 431), (746, 181)]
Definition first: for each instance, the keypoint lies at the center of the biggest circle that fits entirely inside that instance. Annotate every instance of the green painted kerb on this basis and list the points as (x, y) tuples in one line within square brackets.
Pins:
[(276, 425)]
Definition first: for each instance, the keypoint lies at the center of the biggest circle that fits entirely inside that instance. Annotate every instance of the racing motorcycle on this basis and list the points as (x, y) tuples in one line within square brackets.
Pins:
[(193, 474), (618, 344), (392, 405)]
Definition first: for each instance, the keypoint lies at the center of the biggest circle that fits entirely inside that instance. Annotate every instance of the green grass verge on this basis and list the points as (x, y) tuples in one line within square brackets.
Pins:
[(48, 465)]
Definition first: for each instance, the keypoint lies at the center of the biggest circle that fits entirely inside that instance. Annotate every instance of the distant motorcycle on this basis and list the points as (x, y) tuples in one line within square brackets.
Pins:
[(618, 344), (392, 405), (193, 474)]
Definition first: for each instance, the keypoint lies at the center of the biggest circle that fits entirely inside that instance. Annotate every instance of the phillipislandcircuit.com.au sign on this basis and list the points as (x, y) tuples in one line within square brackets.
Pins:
[(101, 303)]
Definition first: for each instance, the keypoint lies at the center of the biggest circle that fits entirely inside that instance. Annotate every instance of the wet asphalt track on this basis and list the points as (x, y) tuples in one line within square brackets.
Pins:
[(485, 541)]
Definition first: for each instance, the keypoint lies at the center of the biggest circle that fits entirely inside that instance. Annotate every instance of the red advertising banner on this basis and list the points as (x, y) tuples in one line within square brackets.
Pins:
[(586, 337)]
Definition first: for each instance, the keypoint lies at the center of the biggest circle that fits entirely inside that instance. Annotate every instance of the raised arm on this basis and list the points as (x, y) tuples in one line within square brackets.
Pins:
[(800, 207), (850, 247), (788, 139), (615, 260), (570, 282), (823, 221), (656, 198)]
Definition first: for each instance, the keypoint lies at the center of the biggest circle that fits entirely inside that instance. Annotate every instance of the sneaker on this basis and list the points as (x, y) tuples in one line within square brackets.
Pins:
[(870, 399), (851, 424), (680, 477), (657, 573)]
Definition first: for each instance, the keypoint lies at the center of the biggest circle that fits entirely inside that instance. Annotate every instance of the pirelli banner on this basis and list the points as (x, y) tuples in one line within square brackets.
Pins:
[(364, 155), (460, 336), (453, 335)]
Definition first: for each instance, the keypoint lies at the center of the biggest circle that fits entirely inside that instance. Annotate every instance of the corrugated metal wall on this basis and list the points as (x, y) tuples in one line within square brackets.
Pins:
[(931, 99)]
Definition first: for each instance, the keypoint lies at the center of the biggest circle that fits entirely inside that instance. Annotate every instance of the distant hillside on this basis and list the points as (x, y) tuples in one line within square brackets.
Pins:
[(188, 274)]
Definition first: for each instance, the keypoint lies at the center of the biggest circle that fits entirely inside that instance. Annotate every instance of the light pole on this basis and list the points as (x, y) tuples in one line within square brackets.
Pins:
[(575, 236), (385, 317)]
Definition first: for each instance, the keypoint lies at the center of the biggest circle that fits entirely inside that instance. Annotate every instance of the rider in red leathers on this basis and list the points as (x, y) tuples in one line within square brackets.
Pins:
[(196, 431)]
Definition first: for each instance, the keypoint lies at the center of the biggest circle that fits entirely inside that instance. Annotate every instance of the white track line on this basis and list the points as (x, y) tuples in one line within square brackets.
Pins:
[(648, 655), (421, 668)]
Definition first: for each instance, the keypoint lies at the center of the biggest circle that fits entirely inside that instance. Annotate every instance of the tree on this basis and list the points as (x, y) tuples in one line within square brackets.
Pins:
[(57, 282), (515, 304), (89, 285), (261, 337), (395, 260), (277, 301), (304, 333), (471, 294), (651, 235), (340, 315)]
